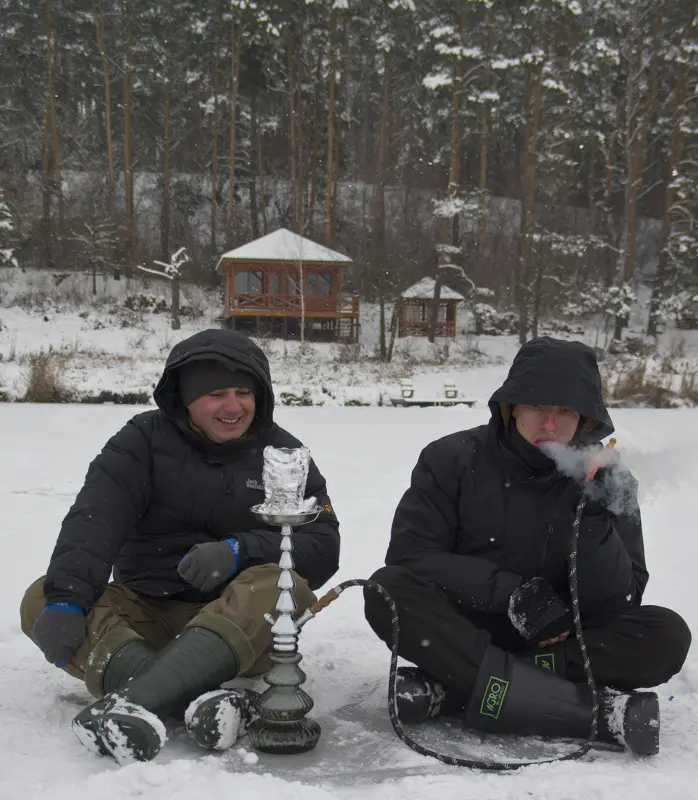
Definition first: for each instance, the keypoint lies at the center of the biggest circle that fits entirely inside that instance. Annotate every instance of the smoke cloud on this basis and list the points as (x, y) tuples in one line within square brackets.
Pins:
[(614, 486)]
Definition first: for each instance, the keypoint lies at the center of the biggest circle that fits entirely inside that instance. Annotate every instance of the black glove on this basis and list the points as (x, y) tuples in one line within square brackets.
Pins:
[(59, 631), (209, 564), (537, 612)]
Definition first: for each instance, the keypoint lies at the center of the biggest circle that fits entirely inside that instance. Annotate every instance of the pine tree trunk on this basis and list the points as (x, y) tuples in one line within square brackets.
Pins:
[(98, 15), (300, 145), (214, 123), (165, 204), (329, 183), (51, 55), (393, 330), (129, 204), (641, 94), (676, 151), (262, 182), (315, 155), (484, 142), (235, 45), (175, 304), (46, 194), (532, 104), (449, 233), (292, 128), (378, 248), (254, 201)]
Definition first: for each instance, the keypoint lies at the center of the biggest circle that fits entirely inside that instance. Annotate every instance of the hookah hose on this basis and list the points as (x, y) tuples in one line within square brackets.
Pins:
[(455, 761)]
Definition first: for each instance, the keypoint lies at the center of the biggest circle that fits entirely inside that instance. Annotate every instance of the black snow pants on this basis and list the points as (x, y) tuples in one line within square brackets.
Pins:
[(641, 647)]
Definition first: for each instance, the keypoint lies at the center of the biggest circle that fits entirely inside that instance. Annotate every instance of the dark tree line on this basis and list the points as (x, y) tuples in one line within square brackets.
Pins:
[(529, 153)]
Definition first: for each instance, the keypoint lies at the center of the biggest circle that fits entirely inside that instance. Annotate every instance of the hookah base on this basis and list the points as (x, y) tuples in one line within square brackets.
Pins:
[(284, 738)]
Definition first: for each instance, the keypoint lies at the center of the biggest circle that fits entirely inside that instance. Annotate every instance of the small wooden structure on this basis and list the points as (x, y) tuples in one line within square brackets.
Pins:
[(415, 304), (282, 281)]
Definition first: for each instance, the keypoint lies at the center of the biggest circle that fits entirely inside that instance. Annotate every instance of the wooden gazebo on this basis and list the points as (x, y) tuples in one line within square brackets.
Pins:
[(283, 281), (414, 306)]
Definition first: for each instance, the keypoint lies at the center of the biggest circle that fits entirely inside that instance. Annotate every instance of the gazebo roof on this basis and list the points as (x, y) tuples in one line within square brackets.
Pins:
[(284, 245), (424, 290)]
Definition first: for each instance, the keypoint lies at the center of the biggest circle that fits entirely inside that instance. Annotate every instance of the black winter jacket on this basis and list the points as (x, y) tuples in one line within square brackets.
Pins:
[(478, 518), (158, 488)]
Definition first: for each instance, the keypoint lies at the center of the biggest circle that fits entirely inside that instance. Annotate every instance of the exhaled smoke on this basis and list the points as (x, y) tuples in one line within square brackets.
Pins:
[(615, 487)]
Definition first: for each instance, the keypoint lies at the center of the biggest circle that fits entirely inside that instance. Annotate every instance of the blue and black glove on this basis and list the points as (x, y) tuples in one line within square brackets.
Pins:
[(207, 565), (59, 630), (537, 611)]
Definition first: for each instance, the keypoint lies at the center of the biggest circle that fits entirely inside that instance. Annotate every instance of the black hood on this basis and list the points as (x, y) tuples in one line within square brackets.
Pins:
[(234, 350), (554, 372)]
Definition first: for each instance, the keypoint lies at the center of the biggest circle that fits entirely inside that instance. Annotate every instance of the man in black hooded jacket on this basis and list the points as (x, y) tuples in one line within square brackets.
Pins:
[(166, 506), (477, 564)]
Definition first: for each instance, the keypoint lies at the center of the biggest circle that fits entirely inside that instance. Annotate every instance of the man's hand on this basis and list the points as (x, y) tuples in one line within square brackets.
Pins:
[(207, 565), (555, 640), (59, 631), (538, 613), (601, 459)]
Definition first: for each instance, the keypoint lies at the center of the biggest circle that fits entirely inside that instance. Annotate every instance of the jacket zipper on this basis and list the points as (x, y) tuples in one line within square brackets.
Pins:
[(548, 534)]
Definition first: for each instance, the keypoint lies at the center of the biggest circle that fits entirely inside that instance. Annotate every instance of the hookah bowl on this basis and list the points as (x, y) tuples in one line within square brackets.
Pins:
[(282, 726)]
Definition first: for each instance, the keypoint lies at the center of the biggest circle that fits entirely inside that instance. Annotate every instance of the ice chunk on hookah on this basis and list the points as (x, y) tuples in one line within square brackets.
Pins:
[(284, 476)]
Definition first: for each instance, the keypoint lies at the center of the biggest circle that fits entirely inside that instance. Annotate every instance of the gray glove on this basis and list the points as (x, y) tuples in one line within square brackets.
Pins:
[(59, 631), (209, 564)]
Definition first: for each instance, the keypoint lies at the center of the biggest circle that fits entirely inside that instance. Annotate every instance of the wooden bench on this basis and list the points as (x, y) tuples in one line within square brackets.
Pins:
[(449, 397)]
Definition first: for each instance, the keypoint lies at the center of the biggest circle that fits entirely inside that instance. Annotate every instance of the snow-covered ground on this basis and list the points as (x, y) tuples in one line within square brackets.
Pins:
[(366, 455), (100, 345)]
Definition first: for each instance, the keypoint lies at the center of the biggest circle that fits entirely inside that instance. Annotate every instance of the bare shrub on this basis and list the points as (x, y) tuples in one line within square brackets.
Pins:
[(44, 380), (347, 353), (635, 387), (688, 389)]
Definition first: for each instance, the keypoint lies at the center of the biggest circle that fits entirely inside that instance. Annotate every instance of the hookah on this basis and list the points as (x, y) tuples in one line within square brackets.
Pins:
[(282, 726)]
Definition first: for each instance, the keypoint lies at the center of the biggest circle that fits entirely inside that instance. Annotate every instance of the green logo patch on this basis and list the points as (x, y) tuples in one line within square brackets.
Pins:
[(545, 661), (494, 697)]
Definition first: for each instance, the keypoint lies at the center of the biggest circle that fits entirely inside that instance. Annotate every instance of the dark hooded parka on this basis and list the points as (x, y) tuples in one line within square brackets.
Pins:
[(159, 487), (486, 509)]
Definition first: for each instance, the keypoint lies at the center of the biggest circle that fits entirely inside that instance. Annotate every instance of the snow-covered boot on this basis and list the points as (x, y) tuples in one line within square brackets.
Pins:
[(196, 661), (418, 696), (216, 719), (124, 664), (511, 696), (630, 719)]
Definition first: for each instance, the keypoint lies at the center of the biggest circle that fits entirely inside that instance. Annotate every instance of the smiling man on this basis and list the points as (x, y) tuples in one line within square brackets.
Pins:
[(477, 565), (166, 505)]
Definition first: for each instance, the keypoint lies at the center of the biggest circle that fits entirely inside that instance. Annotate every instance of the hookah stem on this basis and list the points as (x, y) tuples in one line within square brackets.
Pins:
[(455, 761)]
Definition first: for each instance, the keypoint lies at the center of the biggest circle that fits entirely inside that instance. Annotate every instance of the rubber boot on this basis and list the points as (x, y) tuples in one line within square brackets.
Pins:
[(196, 661), (513, 697), (420, 697), (127, 662), (216, 719)]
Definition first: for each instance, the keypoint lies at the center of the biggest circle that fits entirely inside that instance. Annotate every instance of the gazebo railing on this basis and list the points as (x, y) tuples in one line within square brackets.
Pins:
[(291, 303), (420, 328)]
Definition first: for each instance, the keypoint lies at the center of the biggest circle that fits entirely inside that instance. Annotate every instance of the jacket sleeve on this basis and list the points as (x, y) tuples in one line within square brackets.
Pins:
[(115, 494), (425, 531), (611, 557), (315, 545)]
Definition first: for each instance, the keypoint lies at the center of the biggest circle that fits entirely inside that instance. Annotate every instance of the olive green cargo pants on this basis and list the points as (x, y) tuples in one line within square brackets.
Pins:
[(120, 616)]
